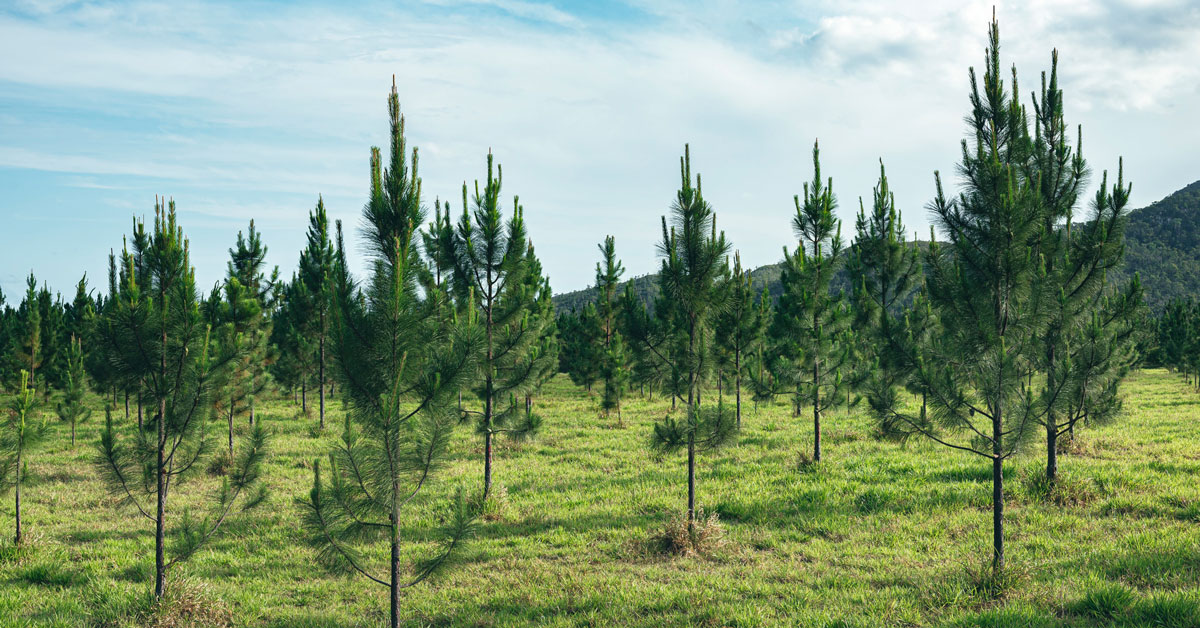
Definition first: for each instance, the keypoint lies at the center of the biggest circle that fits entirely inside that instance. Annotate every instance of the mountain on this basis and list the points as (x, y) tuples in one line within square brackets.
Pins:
[(1162, 245)]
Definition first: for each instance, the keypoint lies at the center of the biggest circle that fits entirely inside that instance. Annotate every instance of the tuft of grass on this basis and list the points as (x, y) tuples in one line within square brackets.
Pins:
[(704, 537), (1169, 611), (187, 604), (1066, 491), (1105, 601)]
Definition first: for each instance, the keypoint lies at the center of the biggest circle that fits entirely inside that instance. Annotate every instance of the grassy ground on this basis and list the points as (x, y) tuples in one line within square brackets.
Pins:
[(879, 535)]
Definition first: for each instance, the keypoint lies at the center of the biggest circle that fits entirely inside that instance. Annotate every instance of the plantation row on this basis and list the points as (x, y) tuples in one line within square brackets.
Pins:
[(1004, 333)]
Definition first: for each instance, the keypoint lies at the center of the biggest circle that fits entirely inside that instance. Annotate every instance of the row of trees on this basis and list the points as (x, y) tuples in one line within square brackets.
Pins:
[(1006, 328), (1177, 339)]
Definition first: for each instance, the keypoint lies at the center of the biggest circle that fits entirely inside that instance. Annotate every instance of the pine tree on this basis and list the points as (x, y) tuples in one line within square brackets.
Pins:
[(582, 345), (693, 269), (543, 356), (988, 291), (1077, 260), (739, 328), (27, 351), (811, 325), (156, 332), (636, 325), (399, 367), (21, 435), (608, 276), (885, 271), (72, 409), (491, 265), (316, 272), (79, 314)]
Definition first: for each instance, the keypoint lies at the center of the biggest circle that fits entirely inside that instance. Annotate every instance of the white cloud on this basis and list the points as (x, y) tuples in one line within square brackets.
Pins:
[(242, 112)]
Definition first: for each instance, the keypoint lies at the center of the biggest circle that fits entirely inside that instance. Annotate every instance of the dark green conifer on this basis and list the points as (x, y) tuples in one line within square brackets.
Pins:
[(399, 368), (155, 331)]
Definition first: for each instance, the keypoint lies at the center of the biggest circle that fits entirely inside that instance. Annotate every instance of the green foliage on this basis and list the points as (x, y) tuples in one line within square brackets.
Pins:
[(21, 434), (740, 330), (72, 408), (155, 333), (692, 279), (810, 330), (494, 276), (400, 365)]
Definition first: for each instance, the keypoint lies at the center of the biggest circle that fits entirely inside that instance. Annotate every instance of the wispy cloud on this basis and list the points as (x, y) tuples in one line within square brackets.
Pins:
[(251, 111)]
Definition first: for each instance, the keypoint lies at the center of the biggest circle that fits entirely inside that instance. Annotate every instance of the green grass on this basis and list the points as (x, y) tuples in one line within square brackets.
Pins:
[(879, 534)]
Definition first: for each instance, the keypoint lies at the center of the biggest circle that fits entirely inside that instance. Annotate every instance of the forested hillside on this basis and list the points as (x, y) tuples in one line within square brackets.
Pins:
[(1162, 244)]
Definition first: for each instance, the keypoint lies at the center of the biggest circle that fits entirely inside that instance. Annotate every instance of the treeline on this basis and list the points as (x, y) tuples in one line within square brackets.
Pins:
[(1009, 330), (1175, 343)]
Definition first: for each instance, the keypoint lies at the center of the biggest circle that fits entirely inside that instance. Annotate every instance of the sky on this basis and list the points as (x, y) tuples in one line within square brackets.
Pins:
[(241, 110)]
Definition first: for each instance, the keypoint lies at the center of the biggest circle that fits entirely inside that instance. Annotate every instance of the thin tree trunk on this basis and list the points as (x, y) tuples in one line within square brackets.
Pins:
[(160, 517), (139, 407), (1051, 451), (231, 429), (126, 404), (395, 584), (487, 408), (321, 369), (737, 386), (997, 492), (17, 491), (691, 462)]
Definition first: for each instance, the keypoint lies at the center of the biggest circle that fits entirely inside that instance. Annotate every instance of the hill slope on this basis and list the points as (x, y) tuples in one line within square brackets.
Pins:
[(1162, 246)]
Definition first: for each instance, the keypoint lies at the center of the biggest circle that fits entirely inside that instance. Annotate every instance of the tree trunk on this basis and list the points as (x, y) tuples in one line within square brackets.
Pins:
[(304, 397), (126, 404), (72, 433), (321, 375), (737, 386), (395, 584), (231, 429), (487, 409), (139, 407), (692, 409), (17, 491), (1051, 451), (997, 492), (160, 516)]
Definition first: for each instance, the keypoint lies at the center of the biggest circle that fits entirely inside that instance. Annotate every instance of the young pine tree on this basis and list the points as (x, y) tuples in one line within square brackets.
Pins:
[(72, 409), (811, 325), (158, 333), (884, 271), (27, 341), (693, 269), (491, 266), (608, 276), (21, 434), (987, 290), (1077, 259), (316, 272), (739, 328), (399, 368)]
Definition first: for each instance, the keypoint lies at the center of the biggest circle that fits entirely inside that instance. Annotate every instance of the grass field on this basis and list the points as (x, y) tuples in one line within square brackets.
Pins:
[(880, 534)]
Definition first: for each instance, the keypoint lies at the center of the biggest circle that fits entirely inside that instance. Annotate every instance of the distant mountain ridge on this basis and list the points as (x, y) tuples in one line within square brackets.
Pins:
[(1162, 245)]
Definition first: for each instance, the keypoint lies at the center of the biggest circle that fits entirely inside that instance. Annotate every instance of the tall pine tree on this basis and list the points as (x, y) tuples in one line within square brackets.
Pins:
[(399, 368)]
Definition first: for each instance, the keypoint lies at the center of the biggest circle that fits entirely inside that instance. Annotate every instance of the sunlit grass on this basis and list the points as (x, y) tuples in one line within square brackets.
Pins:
[(879, 534)]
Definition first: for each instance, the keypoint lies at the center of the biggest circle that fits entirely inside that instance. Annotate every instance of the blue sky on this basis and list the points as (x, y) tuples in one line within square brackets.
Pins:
[(251, 109)]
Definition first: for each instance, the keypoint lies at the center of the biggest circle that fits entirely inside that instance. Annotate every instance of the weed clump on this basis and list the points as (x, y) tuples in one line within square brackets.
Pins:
[(703, 537)]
